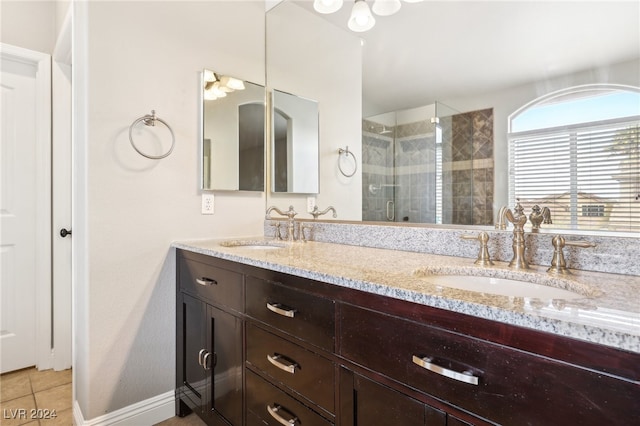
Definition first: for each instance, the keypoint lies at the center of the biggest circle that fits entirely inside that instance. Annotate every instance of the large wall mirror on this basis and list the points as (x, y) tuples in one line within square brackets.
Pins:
[(294, 143), (233, 135), (439, 70)]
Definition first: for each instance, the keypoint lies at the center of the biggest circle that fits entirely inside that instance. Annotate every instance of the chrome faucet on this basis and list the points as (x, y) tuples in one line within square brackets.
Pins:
[(539, 215), (291, 224), (518, 219), (316, 212)]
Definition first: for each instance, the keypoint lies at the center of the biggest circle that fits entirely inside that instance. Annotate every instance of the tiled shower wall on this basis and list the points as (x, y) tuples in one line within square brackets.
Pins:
[(467, 162)]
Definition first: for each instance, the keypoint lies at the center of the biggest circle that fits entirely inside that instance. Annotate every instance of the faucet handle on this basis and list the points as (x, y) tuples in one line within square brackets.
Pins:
[(277, 235), (304, 238), (558, 263), (483, 254), (290, 213)]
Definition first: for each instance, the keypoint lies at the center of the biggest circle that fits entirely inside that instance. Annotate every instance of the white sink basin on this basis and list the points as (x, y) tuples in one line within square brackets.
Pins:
[(253, 244), (507, 282), (503, 287)]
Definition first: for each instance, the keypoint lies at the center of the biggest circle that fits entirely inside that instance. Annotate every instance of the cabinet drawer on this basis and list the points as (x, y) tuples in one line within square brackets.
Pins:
[(498, 383), (275, 407), (301, 370), (300, 314), (211, 283)]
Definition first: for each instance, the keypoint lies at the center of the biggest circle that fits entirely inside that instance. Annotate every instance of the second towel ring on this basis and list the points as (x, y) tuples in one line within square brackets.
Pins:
[(150, 120), (346, 152)]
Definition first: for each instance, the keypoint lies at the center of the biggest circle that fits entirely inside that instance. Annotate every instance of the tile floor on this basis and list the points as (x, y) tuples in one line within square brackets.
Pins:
[(28, 395), (36, 398)]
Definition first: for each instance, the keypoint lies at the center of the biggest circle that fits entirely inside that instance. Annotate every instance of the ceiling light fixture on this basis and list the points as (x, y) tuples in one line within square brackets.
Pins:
[(327, 6), (217, 86), (361, 18), (386, 7)]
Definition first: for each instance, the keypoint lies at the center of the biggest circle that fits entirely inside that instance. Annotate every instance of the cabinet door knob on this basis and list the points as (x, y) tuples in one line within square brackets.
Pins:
[(205, 361), (201, 356), (273, 411), (64, 232), (281, 310), (290, 368), (465, 376)]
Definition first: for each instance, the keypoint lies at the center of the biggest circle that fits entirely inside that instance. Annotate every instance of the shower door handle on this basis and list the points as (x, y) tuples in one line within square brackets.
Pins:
[(391, 215)]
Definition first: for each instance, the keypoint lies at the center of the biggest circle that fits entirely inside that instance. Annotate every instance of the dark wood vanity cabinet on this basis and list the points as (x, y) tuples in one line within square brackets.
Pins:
[(258, 347), (209, 335), (366, 402)]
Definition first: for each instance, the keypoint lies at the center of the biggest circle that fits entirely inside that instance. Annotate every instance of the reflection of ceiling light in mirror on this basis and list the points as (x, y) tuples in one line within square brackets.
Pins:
[(327, 6), (231, 83), (361, 18), (208, 75), (386, 7), (213, 91)]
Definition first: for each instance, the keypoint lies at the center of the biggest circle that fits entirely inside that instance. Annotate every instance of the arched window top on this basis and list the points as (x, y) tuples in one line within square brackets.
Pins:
[(581, 104)]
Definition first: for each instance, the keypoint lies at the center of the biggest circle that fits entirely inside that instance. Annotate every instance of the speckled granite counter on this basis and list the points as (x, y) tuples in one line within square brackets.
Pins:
[(609, 314)]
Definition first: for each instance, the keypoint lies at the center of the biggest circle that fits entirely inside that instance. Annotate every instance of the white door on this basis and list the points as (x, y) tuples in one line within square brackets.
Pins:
[(25, 184)]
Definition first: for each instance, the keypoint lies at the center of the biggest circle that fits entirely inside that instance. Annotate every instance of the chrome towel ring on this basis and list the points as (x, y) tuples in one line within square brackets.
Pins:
[(150, 120), (346, 153)]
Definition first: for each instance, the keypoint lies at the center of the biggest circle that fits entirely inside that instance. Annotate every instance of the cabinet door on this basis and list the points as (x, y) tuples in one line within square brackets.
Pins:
[(376, 404), (225, 338), (192, 347)]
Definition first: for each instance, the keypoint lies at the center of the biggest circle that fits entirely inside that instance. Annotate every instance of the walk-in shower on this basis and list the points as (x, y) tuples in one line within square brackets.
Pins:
[(430, 164)]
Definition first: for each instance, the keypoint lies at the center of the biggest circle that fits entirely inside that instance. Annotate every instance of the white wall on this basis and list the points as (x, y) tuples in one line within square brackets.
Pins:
[(309, 57), (28, 24), (130, 58)]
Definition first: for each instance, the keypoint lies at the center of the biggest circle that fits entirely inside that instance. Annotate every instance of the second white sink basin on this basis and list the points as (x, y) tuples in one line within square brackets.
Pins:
[(502, 287)]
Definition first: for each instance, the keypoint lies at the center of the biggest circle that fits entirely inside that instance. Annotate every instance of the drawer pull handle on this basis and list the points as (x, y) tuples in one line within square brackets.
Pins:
[(465, 376), (273, 411), (291, 368), (276, 307), (206, 281)]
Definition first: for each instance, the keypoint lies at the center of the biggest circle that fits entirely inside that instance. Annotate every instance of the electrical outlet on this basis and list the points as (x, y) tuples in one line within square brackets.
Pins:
[(311, 203), (207, 204)]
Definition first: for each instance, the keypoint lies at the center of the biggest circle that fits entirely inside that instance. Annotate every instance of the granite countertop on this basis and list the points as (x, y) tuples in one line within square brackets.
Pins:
[(607, 310)]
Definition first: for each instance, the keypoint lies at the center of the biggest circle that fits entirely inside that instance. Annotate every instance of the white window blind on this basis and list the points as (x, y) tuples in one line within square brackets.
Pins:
[(588, 175)]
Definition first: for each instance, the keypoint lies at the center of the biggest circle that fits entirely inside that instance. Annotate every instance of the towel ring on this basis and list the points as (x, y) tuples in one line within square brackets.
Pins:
[(150, 120), (346, 152)]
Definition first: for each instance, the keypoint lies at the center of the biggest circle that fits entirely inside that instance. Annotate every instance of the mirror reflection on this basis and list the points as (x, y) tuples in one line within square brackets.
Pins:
[(428, 165), (233, 142), (488, 56), (294, 143)]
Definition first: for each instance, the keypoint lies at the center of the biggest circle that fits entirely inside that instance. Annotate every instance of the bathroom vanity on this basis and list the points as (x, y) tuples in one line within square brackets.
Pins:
[(321, 334)]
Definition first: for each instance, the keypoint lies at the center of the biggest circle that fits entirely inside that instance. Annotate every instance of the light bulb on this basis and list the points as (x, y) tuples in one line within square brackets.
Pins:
[(361, 18), (217, 91), (386, 7), (327, 6), (208, 75), (231, 83)]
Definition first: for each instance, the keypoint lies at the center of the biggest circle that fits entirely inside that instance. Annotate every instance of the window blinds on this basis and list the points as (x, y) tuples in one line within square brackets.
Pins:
[(588, 175)]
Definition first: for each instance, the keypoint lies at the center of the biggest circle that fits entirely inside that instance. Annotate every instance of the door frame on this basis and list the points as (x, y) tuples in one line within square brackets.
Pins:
[(43, 321), (61, 89)]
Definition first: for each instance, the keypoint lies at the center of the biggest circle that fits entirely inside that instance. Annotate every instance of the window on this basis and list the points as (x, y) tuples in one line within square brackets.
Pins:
[(578, 153)]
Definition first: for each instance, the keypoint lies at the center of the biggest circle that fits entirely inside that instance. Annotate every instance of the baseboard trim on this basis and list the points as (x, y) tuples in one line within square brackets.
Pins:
[(147, 412)]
